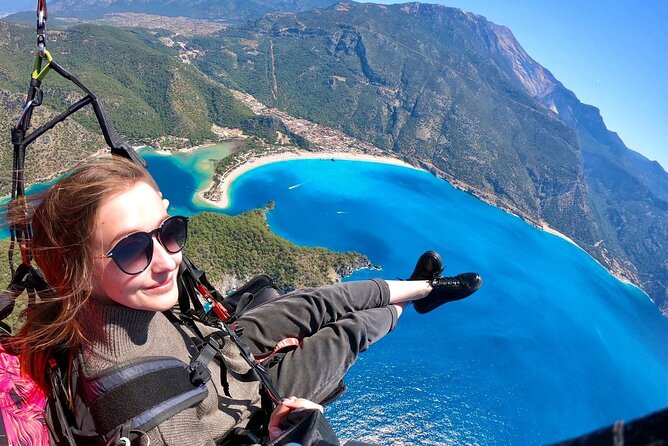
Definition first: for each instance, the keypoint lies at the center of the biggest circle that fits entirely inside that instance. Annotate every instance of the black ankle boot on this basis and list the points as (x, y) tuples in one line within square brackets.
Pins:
[(429, 266), (448, 289)]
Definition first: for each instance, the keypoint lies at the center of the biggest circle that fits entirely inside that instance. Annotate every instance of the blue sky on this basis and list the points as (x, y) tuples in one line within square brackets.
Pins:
[(612, 54)]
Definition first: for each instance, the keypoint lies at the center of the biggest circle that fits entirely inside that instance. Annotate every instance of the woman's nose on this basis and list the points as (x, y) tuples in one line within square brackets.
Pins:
[(162, 259)]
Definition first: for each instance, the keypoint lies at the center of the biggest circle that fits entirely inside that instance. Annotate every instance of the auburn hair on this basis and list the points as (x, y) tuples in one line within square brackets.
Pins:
[(63, 223)]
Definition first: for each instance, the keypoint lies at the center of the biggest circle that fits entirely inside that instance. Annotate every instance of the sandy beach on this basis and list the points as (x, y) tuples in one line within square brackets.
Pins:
[(552, 231), (224, 186)]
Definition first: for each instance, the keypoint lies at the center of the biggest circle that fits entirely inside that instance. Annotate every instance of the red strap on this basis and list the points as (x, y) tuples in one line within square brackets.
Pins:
[(218, 308), (283, 344), (24, 254)]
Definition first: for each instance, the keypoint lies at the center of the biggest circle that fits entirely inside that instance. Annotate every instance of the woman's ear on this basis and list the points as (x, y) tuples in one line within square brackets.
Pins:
[(166, 203)]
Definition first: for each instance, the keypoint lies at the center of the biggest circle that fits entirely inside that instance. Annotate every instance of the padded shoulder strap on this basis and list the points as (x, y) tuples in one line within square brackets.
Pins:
[(140, 394)]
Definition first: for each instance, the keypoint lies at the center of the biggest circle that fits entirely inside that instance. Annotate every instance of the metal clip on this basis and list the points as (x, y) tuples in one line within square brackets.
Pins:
[(41, 27)]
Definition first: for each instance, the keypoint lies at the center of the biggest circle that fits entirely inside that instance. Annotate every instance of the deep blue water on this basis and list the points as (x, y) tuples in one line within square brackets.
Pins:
[(550, 347)]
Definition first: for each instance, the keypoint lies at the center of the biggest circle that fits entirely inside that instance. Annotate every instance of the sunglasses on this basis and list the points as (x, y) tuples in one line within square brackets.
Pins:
[(134, 252)]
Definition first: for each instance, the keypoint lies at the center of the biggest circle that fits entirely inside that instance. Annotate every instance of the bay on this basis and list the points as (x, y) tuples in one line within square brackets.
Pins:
[(552, 345)]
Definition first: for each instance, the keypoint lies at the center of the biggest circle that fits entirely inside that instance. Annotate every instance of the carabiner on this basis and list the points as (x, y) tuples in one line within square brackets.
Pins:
[(41, 27)]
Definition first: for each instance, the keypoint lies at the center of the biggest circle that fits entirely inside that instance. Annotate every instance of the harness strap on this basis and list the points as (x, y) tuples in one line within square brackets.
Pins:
[(283, 344), (57, 403), (25, 278), (192, 276), (119, 398), (199, 366)]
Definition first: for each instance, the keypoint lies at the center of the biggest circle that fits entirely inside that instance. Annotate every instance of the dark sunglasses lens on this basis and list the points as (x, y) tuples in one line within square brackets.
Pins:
[(133, 254), (173, 234)]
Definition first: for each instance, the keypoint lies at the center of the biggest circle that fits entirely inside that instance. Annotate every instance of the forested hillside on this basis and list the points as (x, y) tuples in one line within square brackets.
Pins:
[(148, 91), (222, 10)]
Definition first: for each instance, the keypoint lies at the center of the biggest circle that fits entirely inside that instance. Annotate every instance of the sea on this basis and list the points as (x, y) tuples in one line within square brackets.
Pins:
[(551, 347)]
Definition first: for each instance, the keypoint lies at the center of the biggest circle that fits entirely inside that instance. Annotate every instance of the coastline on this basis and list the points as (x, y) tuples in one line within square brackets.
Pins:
[(221, 186), (219, 189)]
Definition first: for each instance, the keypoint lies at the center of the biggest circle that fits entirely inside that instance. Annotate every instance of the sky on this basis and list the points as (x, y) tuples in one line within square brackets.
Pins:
[(613, 54)]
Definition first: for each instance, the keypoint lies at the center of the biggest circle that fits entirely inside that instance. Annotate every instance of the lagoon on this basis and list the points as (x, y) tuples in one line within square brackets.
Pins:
[(552, 345)]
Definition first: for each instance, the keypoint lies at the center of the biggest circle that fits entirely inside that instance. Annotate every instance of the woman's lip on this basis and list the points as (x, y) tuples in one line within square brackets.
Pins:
[(167, 284)]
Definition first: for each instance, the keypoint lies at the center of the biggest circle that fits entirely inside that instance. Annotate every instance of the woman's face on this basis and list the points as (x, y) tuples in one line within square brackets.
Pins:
[(140, 208)]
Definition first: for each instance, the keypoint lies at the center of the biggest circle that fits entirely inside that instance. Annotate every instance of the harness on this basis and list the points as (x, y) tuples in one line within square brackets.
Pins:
[(129, 399)]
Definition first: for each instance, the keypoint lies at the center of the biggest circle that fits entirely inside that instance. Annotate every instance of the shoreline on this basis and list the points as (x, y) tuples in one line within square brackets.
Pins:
[(221, 188), (162, 151)]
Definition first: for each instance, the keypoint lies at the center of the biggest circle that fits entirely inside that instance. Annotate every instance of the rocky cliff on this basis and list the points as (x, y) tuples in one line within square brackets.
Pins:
[(628, 193)]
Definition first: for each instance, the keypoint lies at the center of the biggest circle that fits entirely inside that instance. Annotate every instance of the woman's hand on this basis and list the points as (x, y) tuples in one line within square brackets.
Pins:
[(281, 412)]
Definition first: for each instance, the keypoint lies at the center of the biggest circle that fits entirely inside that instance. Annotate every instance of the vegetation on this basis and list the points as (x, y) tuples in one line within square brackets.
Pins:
[(228, 11), (267, 128), (243, 246), (14, 320), (231, 250), (147, 90)]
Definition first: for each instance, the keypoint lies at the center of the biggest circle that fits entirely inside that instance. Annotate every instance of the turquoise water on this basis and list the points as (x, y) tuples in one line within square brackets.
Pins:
[(550, 347), (181, 175)]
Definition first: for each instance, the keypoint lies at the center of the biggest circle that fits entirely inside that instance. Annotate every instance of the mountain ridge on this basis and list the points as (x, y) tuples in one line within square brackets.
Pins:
[(462, 101), (603, 150), (225, 10)]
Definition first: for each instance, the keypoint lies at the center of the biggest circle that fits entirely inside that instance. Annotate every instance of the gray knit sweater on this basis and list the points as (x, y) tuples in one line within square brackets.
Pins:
[(119, 334)]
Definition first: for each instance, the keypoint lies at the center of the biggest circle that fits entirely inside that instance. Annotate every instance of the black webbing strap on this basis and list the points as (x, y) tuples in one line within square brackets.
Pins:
[(3, 433), (57, 418), (191, 276), (25, 278)]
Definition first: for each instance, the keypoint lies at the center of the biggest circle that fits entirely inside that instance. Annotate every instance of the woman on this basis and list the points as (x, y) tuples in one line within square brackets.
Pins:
[(106, 245)]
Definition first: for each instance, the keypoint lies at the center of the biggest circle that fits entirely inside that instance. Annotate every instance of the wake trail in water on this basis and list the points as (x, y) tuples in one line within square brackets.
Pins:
[(295, 186)]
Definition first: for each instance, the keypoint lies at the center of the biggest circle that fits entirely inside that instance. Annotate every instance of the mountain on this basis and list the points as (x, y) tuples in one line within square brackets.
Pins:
[(231, 11), (148, 90), (14, 6), (458, 95), (627, 192)]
